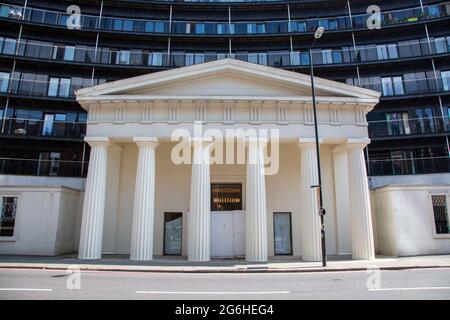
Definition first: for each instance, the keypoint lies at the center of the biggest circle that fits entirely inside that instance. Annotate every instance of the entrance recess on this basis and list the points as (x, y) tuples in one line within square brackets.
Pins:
[(227, 221)]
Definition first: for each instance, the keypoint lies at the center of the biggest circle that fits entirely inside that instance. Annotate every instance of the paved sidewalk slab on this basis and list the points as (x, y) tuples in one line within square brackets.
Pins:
[(180, 265)]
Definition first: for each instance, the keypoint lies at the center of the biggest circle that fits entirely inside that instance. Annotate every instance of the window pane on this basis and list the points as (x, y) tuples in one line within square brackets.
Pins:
[(8, 216), (226, 197), (69, 53), (440, 211), (53, 87)]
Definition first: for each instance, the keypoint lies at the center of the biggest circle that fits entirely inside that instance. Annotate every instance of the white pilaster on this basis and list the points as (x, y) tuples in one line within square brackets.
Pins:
[(256, 208), (311, 241), (360, 210), (200, 210), (94, 200), (144, 201)]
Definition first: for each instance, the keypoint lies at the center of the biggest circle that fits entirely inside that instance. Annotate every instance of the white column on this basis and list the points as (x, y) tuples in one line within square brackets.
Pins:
[(360, 210), (256, 208), (200, 210), (94, 200), (144, 201), (310, 219), (340, 166)]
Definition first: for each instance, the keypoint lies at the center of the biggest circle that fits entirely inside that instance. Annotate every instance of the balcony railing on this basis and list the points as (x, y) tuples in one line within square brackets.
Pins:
[(403, 87), (17, 127), (39, 167), (409, 166), (90, 22), (408, 127), (146, 58), (67, 90), (38, 88)]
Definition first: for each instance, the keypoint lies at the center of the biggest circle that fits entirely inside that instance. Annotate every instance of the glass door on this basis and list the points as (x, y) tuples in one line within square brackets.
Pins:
[(47, 128), (173, 228), (282, 233)]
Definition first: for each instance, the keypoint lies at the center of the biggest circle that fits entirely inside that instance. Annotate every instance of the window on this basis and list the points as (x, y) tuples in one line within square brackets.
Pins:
[(392, 86), (282, 233), (8, 216), (47, 127), (155, 59), (440, 211), (441, 45), (446, 80), (382, 52), (403, 162), (49, 163), (327, 57), (398, 123), (123, 57), (226, 196), (4, 79), (69, 53), (392, 51), (425, 121), (9, 46), (59, 87)]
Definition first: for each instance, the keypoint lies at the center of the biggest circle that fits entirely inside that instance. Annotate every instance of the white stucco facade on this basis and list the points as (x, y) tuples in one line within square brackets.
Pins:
[(133, 179)]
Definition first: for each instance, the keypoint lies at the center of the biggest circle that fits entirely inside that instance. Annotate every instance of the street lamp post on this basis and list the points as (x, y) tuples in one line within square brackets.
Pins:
[(317, 35)]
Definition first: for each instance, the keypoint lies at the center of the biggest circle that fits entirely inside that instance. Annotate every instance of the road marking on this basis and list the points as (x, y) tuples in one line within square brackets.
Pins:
[(215, 292), (24, 289), (406, 289)]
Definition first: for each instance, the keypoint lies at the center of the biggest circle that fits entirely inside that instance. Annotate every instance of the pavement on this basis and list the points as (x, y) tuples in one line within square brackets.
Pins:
[(181, 265)]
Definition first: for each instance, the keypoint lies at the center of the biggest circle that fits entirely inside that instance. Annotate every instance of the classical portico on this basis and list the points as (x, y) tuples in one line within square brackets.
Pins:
[(142, 201)]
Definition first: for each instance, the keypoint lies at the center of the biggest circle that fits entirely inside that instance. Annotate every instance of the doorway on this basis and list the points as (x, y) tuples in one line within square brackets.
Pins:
[(173, 233), (282, 233)]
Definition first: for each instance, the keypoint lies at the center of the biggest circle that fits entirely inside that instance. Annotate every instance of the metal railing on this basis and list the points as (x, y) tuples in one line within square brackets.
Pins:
[(408, 166), (41, 128), (92, 22), (44, 88), (409, 126), (282, 58), (41, 167)]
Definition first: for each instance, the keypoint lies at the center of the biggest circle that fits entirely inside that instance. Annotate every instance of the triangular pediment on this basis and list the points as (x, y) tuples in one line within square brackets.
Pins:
[(224, 78)]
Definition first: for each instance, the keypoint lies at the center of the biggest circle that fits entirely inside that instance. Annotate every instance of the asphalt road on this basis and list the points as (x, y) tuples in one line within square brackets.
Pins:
[(46, 284)]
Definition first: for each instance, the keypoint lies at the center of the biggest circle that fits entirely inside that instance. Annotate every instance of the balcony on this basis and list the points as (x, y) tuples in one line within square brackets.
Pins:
[(133, 57), (41, 85), (408, 166), (41, 167), (142, 26), (16, 127)]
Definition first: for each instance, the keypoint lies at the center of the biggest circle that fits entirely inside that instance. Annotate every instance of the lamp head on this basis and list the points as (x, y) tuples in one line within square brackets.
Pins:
[(319, 32)]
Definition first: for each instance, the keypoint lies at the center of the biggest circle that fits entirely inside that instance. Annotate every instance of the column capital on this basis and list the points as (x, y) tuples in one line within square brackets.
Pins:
[(97, 141), (308, 142), (146, 141), (356, 143)]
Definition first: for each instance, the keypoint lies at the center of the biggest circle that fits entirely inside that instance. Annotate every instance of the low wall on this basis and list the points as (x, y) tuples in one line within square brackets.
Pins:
[(45, 220), (405, 220)]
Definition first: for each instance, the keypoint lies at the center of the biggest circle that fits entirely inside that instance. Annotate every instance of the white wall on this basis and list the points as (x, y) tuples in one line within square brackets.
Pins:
[(45, 220), (405, 221)]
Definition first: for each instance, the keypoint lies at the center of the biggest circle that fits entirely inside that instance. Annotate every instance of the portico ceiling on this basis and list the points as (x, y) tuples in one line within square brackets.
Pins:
[(226, 80)]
